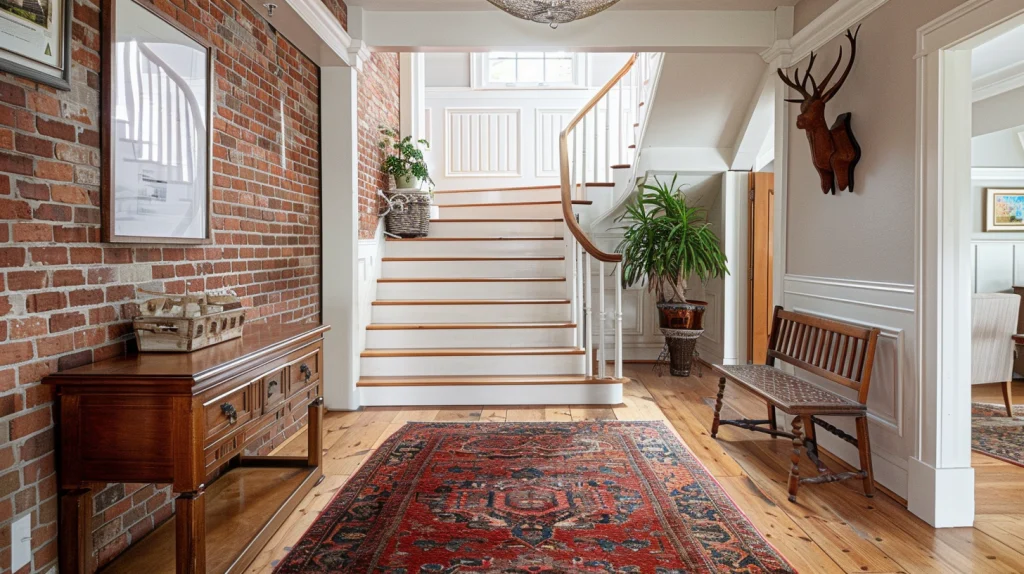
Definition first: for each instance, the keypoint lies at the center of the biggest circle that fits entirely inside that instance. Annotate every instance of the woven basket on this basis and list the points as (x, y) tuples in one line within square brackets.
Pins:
[(408, 214)]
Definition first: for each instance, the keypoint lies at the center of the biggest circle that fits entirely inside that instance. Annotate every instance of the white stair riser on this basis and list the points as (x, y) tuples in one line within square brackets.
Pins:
[(512, 196), (468, 338), (473, 290), (528, 313), (519, 248), (591, 394), (477, 269), (475, 365), (441, 228), (502, 211)]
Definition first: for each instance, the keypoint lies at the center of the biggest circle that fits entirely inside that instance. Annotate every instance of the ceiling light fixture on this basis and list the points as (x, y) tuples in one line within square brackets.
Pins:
[(552, 12)]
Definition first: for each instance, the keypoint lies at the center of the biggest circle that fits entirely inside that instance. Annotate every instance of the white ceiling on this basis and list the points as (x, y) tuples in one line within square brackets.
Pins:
[(702, 99), (448, 5), (999, 53)]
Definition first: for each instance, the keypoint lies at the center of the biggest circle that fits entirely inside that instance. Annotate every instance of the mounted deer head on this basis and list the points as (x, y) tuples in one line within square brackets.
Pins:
[(834, 151)]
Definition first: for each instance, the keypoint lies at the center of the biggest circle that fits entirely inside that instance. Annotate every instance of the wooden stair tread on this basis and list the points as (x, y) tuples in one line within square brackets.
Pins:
[(472, 352), (471, 302), (622, 166), (524, 188), (468, 279), (525, 258), (462, 326), (524, 238), (507, 204), (600, 184), (439, 381)]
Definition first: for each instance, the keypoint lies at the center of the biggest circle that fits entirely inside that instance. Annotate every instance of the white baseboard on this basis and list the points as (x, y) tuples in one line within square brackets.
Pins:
[(936, 495), (591, 394)]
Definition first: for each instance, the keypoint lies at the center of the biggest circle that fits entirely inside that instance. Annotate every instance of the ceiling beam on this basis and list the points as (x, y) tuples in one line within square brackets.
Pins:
[(611, 31)]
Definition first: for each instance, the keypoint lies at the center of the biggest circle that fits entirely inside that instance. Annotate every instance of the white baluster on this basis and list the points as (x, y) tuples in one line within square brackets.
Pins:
[(597, 145), (583, 176), (618, 321), (608, 137), (621, 146), (578, 287), (602, 358), (588, 292)]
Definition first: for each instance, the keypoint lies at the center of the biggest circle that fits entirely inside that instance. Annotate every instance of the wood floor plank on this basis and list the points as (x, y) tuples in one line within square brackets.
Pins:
[(558, 414), (459, 414), (493, 415), (592, 413), (526, 414)]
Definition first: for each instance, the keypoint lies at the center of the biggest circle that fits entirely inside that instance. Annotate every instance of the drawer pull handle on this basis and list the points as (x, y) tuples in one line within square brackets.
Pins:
[(304, 368), (270, 387), (229, 411)]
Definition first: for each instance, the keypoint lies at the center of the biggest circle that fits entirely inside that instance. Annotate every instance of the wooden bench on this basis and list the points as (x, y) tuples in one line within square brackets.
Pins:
[(836, 351)]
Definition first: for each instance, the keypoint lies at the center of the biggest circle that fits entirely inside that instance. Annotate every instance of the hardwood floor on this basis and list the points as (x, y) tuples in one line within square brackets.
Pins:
[(833, 528)]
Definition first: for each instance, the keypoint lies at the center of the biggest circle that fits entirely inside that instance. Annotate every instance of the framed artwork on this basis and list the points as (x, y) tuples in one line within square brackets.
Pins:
[(1004, 209), (156, 98), (35, 40)]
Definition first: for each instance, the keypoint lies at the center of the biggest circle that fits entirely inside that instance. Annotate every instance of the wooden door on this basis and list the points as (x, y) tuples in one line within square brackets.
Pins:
[(759, 265)]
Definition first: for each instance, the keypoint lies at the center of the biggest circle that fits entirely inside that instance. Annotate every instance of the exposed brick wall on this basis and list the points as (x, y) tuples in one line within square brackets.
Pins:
[(66, 297), (378, 105)]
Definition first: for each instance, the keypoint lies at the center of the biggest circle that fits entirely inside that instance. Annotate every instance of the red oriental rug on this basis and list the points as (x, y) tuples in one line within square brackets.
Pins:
[(612, 497)]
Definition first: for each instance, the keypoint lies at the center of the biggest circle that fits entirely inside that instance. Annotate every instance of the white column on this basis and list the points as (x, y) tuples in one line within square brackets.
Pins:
[(340, 239), (412, 95)]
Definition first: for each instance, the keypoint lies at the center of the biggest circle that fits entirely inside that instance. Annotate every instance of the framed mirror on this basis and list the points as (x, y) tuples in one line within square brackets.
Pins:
[(156, 100)]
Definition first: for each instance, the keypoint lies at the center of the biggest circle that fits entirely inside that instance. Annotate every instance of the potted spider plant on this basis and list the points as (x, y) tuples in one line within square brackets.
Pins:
[(666, 242), (404, 159)]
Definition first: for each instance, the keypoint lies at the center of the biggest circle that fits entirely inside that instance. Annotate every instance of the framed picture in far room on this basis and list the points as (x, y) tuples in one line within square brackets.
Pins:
[(156, 102), (1004, 209), (35, 40)]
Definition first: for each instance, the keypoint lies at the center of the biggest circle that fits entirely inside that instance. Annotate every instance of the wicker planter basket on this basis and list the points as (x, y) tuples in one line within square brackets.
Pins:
[(407, 214)]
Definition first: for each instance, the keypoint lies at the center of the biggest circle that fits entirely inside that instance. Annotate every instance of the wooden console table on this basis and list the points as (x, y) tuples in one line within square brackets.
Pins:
[(186, 419)]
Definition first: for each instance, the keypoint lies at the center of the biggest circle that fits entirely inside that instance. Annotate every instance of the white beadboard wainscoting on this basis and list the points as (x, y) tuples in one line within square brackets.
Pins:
[(370, 252), (997, 258), (497, 138), (892, 400)]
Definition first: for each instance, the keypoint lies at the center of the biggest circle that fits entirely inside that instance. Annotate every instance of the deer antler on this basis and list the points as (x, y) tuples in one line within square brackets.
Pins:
[(852, 36)]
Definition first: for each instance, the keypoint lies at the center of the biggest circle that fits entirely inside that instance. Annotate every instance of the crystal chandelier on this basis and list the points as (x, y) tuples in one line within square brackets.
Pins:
[(552, 12)]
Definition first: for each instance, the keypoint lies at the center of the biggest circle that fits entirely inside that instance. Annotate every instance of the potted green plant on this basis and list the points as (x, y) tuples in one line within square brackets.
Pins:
[(665, 243), (404, 159)]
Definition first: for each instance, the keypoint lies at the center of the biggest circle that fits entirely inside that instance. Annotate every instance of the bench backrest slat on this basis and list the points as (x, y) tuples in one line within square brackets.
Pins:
[(840, 352)]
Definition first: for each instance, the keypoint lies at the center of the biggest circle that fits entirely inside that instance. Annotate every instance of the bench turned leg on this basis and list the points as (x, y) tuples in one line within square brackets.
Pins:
[(794, 471), (773, 423), (864, 446), (718, 407)]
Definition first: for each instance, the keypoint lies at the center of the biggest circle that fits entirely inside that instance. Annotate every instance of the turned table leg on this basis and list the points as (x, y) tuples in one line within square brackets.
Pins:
[(718, 408), (190, 522), (75, 532)]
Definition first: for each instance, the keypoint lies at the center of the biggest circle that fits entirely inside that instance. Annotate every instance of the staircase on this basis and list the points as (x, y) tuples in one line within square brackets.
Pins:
[(496, 305), (480, 311)]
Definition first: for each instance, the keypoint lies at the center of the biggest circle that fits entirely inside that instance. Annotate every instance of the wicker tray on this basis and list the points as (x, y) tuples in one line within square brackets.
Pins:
[(187, 334), (408, 214)]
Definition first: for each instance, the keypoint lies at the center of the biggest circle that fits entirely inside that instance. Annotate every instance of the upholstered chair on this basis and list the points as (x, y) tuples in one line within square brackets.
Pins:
[(994, 322)]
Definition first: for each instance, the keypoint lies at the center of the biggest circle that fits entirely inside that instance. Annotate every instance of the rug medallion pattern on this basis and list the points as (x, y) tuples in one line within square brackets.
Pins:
[(603, 497)]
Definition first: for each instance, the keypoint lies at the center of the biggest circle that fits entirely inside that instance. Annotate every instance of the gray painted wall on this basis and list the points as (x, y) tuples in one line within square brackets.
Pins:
[(867, 235)]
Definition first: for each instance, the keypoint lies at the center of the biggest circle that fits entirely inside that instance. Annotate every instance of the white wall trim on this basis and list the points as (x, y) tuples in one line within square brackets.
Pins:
[(998, 82), (836, 20), (941, 466), (854, 283), (996, 173), (513, 142)]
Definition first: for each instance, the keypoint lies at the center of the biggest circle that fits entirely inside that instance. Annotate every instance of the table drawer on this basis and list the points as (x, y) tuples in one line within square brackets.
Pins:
[(272, 387), (304, 371), (228, 412)]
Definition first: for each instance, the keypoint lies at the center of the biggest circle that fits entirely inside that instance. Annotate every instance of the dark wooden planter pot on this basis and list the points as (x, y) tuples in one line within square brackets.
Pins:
[(688, 316)]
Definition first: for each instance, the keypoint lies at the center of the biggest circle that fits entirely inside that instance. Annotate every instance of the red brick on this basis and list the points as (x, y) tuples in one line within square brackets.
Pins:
[(69, 194), (53, 212), (64, 321), (49, 255), (55, 129), (67, 234), (34, 372), (15, 209), (43, 103), (32, 145), (28, 327), (12, 353), (31, 190), (86, 255), (11, 94), (54, 170), (42, 302), (74, 360), (12, 256), (67, 277), (85, 297), (102, 315), (117, 255), (23, 280), (120, 293), (33, 232), (57, 345), (100, 275)]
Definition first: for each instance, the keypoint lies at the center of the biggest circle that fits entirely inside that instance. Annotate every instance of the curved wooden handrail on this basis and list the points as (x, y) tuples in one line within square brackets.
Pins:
[(563, 152)]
